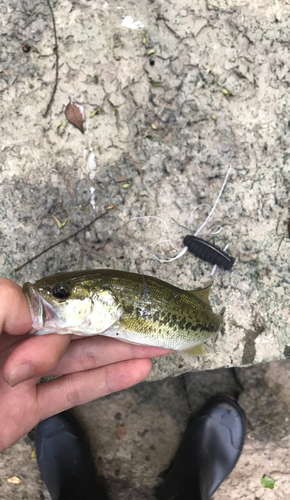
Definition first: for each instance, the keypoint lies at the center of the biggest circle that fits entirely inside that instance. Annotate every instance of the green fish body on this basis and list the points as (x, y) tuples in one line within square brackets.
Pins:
[(126, 306)]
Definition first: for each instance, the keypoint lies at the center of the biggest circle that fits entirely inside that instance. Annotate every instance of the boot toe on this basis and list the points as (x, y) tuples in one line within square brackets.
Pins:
[(65, 460), (209, 450)]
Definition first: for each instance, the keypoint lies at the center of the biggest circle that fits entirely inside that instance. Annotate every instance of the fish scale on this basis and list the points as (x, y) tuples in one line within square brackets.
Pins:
[(128, 306)]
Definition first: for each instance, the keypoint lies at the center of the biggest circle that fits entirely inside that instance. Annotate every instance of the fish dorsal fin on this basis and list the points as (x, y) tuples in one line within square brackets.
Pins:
[(202, 293)]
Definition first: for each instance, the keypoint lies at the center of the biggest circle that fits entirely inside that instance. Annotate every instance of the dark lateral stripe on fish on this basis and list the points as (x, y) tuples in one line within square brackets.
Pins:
[(183, 324), (208, 252)]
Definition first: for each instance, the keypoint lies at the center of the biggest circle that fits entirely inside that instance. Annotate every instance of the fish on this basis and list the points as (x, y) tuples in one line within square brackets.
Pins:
[(127, 306)]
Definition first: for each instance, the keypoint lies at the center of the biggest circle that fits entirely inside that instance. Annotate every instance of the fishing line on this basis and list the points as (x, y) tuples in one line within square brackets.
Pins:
[(206, 253), (209, 217), (166, 230), (215, 266)]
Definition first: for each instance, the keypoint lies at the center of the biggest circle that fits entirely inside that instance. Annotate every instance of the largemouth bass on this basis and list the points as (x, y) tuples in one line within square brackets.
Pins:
[(126, 306)]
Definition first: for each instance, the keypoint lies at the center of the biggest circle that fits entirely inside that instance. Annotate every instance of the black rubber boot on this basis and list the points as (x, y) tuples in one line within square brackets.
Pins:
[(65, 460), (209, 450)]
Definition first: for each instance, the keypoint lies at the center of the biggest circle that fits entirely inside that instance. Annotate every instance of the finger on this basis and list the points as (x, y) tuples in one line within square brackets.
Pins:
[(35, 357), (80, 388), (93, 352), (15, 317)]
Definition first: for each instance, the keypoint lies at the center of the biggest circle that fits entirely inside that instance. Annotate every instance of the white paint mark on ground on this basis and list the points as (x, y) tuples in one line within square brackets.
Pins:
[(93, 201), (128, 22), (91, 165)]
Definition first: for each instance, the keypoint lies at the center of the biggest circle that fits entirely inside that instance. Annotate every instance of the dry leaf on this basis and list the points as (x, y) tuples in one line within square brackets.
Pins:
[(96, 112), (33, 453), (14, 480), (75, 114), (155, 84), (226, 93), (121, 431), (25, 47), (60, 224), (111, 207)]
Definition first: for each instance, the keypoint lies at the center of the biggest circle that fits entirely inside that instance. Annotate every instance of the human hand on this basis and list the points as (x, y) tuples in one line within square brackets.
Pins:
[(90, 368)]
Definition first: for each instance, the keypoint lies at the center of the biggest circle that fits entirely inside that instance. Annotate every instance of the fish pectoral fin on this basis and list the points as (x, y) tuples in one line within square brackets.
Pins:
[(114, 325), (202, 293), (197, 350)]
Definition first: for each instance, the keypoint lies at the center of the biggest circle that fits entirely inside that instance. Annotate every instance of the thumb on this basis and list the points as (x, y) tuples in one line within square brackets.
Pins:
[(15, 317)]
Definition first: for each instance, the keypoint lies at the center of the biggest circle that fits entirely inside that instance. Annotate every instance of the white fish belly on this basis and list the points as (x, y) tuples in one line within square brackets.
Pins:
[(137, 338)]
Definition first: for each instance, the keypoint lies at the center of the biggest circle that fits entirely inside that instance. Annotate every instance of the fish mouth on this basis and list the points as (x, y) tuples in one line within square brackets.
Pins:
[(36, 307)]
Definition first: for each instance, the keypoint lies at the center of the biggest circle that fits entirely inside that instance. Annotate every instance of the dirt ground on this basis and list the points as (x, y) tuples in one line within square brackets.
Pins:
[(174, 92)]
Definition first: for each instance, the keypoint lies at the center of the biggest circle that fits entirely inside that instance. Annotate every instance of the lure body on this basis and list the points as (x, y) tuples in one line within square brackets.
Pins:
[(126, 306), (208, 252)]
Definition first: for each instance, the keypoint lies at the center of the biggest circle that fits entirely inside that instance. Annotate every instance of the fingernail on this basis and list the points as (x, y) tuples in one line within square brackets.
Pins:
[(20, 373)]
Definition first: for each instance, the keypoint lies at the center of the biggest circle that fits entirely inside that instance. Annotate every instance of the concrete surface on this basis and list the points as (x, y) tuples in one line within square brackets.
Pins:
[(223, 69)]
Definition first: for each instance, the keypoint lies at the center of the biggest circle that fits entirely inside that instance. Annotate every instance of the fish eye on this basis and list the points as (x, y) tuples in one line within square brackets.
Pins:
[(61, 291)]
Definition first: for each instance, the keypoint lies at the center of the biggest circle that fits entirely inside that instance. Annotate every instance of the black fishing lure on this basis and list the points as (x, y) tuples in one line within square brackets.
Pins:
[(208, 252)]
